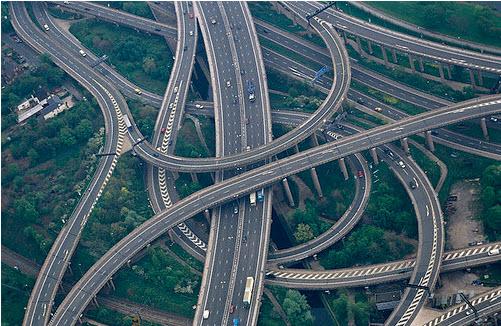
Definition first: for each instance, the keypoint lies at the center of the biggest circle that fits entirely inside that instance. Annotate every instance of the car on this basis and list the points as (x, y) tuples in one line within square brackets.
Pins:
[(360, 173), (493, 252), (473, 243), (138, 91), (235, 209), (157, 30), (378, 109), (198, 106), (191, 33), (248, 148), (476, 282), (412, 184), (493, 119), (242, 71), (213, 21), (185, 48), (236, 322), (469, 312), (244, 239), (46, 27), (228, 83), (452, 198), (155, 154), (175, 90), (163, 130), (206, 314), (82, 53), (401, 164), (191, 15), (271, 276), (434, 132), (232, 308), (360, 100)]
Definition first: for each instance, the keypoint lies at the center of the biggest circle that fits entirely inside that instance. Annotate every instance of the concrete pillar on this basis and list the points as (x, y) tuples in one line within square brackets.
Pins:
[(480, 78), (359, 45), (94, 300), (314, 139), (345, 38), (441, 70), (369, 44), (483, 125), (429, 141), (394, 55), (472, 78), (405, 145), (128, 263), (449, 73), (411, 62), (194, 177), (61, 287), (316, 182), (421, 64), (342, 165), (112, 284), (70, 270), (207, 214), (288, 192), (296, 148), (385, 55), (374, 155)]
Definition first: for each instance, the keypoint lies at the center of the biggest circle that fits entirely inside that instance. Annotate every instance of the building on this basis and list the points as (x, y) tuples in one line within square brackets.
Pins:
[(48, 108)]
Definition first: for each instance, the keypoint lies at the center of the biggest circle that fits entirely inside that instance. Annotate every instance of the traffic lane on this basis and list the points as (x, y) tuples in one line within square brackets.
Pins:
[(404, 42), (259, 178)]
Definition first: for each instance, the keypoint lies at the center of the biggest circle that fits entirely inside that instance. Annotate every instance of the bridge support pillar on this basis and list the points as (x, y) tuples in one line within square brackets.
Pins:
[(480, 78), (369, 44), (296, 148), (449, 73), (405, 145), (345, 38), (94, 300), (374, 155), (411, 62), (441, 71), (288, 192), (359, 45), (194, 177), (70, 270), (61, 287), (112, 284), (394, 55), (342, 165), (316, 182), (207, 215), (429, 141), (385, 56), (483, 125), (421, 64), (314, 139), (472, 78)]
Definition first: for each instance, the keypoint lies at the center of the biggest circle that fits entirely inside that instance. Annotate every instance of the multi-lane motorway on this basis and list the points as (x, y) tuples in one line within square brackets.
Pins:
[(228, 24)]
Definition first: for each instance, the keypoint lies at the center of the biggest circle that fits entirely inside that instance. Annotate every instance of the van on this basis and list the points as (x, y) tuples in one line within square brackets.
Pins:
[(493, 252), (82, 53), (206, 314)]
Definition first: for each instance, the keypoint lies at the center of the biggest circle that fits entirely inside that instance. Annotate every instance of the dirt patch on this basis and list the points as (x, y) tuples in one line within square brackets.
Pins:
[(462, 226)]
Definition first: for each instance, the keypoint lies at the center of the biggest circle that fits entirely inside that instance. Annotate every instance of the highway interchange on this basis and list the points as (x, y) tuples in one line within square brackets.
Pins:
[(233, 137)]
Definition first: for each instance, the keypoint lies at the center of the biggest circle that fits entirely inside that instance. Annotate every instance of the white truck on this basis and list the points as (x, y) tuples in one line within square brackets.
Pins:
[(249, 285), (252, 198)]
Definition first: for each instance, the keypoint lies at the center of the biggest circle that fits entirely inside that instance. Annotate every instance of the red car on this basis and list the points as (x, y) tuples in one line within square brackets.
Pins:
[(191, 15), (162, 130), (232, 308), (360, 173)]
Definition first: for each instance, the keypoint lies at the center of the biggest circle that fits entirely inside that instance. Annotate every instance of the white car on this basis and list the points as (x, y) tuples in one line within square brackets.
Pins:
[(228, 83), (493, 252), (175, 90), (191, 33), (46, 27), (378, 109), (401, 164), (82, 52), (206, 314)]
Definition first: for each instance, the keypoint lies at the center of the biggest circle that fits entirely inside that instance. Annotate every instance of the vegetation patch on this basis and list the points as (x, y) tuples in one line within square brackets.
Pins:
[(143, 59), (16, 289)]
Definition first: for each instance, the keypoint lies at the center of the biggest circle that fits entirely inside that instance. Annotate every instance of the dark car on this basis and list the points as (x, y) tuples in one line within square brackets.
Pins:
[(412, 184), (360, 173)]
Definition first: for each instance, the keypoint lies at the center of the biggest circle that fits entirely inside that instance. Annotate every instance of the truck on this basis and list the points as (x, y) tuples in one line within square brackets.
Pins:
[(127, 121), (260, 195), (249, 284), (252, 198), (493, 252), (251, 89)]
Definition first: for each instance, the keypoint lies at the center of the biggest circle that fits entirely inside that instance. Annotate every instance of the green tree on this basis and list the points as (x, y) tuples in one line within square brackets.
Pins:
[(66, 137), (149, 65), (297, 309), (303, 233), (493, 218), (25, 211), (84, 130)]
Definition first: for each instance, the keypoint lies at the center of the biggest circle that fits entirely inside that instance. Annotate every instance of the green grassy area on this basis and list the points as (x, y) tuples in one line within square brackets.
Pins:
[(472, 129), (178, 250), (155, 280), (143, 59), (209, 131), (430, 168), (264, 11), (362, 115), (122, 207), (353, 302), (188, 144), (45, 164), (267, 314), (138, 8), (474, 22), (16, 289), (60, 13), (111, 317), (144, 116)]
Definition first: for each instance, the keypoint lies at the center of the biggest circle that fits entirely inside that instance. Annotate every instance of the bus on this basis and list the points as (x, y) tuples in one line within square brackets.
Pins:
[(249, 284), (252, 198), (127, 121)]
